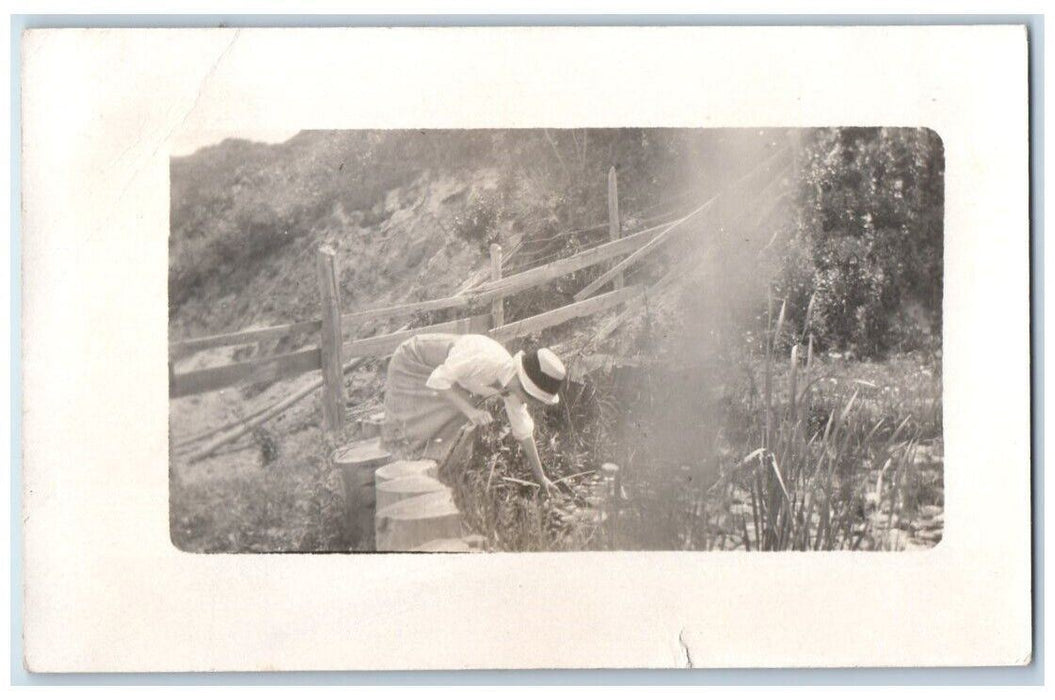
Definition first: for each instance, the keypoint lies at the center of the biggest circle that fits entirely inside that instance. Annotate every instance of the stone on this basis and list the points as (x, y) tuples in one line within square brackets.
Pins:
[(932, 535)]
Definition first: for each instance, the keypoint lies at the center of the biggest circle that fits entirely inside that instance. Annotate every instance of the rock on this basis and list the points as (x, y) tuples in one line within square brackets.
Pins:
[(933, 535), (476, 542)]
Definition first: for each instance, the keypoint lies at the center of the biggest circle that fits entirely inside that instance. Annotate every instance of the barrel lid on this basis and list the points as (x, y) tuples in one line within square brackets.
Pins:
[(363, 453), (406, 467), (411, 484)]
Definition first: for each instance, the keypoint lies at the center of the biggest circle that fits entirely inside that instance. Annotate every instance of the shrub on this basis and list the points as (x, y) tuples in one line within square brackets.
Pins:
[(869, 239)]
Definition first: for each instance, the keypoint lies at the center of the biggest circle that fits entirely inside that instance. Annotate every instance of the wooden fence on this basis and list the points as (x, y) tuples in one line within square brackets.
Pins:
[(333, 350)]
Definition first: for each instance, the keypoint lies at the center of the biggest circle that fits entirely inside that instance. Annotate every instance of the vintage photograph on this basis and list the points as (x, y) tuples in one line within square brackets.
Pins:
[(531, 347), (523, 340)]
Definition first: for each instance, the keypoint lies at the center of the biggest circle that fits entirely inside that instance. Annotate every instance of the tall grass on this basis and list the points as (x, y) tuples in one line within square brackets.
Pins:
[(820, 452), (836, 463), (497, 494)]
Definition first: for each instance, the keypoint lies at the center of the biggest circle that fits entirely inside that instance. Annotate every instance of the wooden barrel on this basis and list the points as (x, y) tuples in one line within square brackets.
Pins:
[(396, 490), (358, 461), (415, 521), (406, 467), (468, 543), (447, 545)]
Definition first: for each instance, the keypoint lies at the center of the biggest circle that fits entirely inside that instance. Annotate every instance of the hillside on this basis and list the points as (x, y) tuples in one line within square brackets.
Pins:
[(410, 213), (823, 248), (247, 220)]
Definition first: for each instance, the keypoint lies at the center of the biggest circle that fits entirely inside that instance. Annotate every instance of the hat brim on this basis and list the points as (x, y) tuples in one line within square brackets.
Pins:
[(530, 387)]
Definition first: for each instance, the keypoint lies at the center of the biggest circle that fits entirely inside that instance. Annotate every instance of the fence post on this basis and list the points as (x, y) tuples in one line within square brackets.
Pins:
[(498, 316), (331, 337), (614, 227)]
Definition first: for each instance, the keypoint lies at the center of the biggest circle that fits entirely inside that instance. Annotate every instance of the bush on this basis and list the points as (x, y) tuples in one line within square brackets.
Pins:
[(869, 240)]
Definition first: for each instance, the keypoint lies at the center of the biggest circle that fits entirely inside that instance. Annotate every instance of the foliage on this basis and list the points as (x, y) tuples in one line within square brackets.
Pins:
[(869, 240), (292, 503), (477, 222), (496, 491)]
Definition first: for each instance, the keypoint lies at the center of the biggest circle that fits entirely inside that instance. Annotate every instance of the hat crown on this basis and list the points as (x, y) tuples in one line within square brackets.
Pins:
[(541, 373), (550, 364)]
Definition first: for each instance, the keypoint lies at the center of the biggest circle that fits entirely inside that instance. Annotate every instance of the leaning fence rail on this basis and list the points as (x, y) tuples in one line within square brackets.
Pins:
[(289, 364), (487, 292), (335, 352)]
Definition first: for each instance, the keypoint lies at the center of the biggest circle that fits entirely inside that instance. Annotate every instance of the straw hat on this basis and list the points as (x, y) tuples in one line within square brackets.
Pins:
[(541, 374)]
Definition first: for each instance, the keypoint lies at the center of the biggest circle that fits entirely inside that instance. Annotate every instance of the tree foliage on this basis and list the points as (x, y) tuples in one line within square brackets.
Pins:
[(869, 239)]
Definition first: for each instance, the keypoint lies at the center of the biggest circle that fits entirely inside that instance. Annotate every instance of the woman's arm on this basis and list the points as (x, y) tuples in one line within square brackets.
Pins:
[(531, 450), (460, 400)]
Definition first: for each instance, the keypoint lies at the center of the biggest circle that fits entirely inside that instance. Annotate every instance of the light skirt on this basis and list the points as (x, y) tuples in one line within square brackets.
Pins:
[(419, 422)]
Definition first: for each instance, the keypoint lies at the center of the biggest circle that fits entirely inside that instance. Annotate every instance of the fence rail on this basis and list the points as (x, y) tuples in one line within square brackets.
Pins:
[(335, 350), (180, 348), (487, 292), (382, 345), (259, 370), (289, 364)]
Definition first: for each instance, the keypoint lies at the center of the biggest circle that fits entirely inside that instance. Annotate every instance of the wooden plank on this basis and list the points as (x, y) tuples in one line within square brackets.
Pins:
[(330, 341), (382, 345), (242, 427), (486, 292), (260, 370), (766, 165), (546, 273), (514, 283), (677, 272), (498, 303), (641, 252), (183, 347), (613, 217), (527, 326), (453, 302)]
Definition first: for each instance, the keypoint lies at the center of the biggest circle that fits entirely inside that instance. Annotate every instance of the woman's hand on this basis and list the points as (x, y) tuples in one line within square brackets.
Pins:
[(478, 416), (531, 450)]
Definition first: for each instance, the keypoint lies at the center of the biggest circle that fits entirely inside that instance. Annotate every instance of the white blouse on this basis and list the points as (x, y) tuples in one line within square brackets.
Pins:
[(481, 366)]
